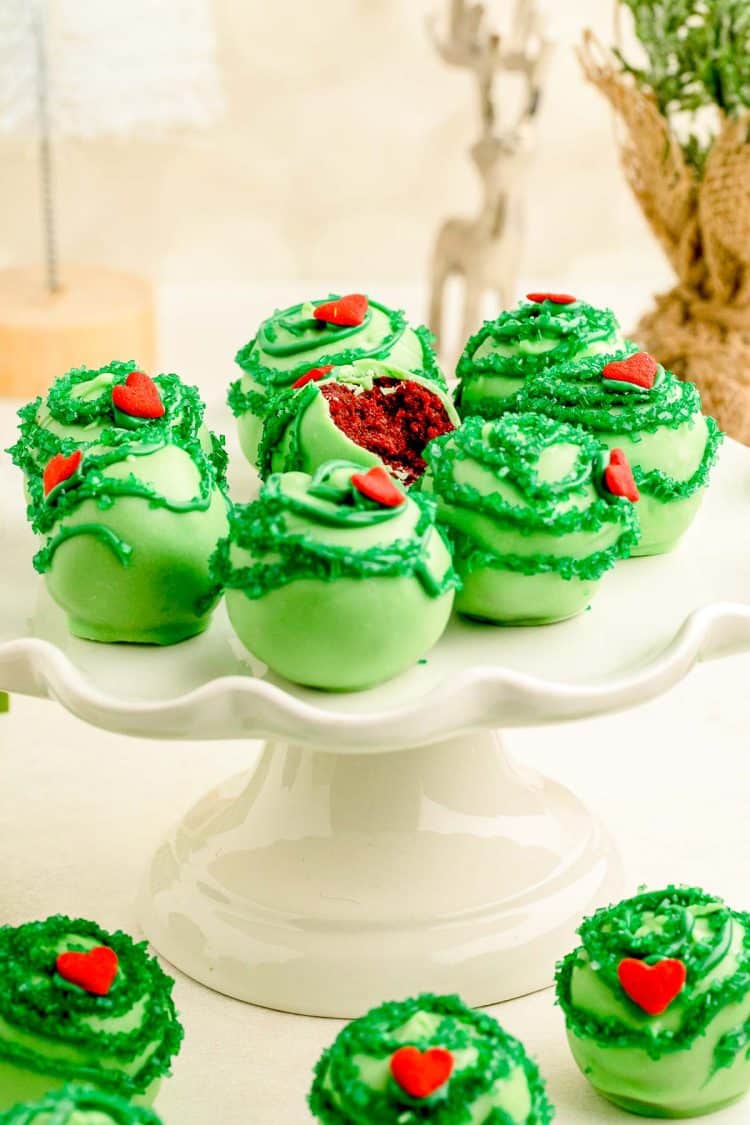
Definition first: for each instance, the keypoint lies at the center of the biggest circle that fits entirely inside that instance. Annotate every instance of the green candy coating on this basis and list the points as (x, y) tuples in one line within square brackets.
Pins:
[(693, 1058), (533, 527), (299, 433), (291, 341), (329, 588), (527, 340), (79, 1105), (127, 538), (53, 1032), (670, 444), (493, 1080)]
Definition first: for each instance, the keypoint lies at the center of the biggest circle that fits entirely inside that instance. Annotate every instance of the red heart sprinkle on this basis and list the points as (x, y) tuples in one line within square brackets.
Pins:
[(555, 298), (652, 987), (346, 311), (93, 971), (420, 1073), (138, 396), (312, 376), (639, 369), (377, 485), (60, 468), (618, 477)]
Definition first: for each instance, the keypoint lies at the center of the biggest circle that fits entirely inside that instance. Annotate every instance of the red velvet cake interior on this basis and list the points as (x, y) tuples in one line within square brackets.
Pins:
[(395, 421)]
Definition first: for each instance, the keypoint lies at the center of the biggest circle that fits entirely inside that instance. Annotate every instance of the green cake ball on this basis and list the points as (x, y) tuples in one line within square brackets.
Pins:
[(79, 1004), (79, 1105), (366, 412), (545, 330), (126, 488), (79, 408), (657, 1003), (317, 336), (537, 512), (634, 404), (339, 580), (427, 1059)]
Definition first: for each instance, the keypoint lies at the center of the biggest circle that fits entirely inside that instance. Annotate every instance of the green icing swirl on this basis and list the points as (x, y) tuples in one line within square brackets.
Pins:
[(37, 1002), (120, 549), (653, 926), (568, 330), (374, 1036), (511, 449), (73, 1104), (576, 393), (295, 332), (70, 408), (283, 533), (110, 444)]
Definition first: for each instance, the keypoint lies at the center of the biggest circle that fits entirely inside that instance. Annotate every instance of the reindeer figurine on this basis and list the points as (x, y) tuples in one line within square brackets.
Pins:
[(485, 250)]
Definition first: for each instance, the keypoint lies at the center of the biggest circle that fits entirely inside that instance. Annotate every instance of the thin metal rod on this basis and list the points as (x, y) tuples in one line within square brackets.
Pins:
[(45, 148)]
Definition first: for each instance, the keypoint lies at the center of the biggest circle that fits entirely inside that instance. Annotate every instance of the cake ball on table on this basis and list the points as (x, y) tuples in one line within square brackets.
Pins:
[(366, 412), (632, 403), (79, 1105), (338, 580), (126, 488), (537, 512), (79, 1004), (311, 339), (657, 1002), (543, 331), (427, 1059)]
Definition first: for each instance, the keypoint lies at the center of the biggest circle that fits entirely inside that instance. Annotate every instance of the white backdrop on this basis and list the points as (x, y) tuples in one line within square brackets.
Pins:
[(343, 146)]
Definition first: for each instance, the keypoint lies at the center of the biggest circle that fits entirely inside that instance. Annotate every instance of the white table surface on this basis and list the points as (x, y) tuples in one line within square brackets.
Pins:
[(82, 810)]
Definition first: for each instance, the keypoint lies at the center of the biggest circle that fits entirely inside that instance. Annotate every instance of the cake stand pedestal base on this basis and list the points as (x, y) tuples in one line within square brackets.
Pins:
[(323, 883)]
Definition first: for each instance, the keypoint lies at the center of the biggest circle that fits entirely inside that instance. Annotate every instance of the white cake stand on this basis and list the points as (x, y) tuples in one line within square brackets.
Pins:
[(385, 842)]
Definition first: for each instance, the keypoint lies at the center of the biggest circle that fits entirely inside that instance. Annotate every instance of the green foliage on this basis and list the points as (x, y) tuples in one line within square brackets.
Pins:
[(697, 60)]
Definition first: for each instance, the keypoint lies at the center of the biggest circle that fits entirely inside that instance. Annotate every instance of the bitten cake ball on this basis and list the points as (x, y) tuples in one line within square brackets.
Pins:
[(365, 412), (545, 330), (79, 1105), (632, 403), (427, 1059), (537, 512), (657, 1002), (79, 1004), (338, 580), (311, 339), (126, 488)]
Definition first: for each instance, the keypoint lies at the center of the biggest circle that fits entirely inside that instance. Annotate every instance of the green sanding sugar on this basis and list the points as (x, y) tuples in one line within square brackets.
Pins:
[(78, 1105), (293, 333), (283, 531), (70, 408), (110, 445), (511, 450), (37, 1002), (340, 1094), (576, 393), (653, 926), (531, 338)]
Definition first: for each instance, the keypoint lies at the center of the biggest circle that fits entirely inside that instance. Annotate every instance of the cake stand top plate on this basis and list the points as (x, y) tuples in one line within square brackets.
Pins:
[(650, 621)]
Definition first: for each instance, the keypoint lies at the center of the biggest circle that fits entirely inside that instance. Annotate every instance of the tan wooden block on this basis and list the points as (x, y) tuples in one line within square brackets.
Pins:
[(97, 315)]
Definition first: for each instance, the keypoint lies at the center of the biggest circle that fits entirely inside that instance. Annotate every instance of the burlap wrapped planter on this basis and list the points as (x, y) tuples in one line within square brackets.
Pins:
[(700, 328)]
